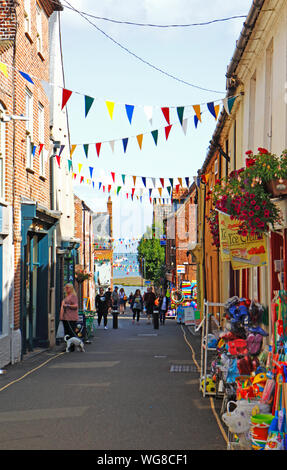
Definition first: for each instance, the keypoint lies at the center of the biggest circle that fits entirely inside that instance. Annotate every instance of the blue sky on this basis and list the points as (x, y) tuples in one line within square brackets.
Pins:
[(97, 67)]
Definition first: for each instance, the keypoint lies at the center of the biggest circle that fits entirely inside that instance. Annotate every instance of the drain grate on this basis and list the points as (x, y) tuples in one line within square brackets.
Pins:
[(181, 368)]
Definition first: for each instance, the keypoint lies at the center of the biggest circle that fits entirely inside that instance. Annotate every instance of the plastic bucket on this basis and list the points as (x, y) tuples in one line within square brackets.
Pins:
[(259, 426)]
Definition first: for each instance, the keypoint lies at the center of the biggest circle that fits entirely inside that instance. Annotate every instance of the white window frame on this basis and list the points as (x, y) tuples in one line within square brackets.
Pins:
[(216, 167), (39, 28), (29, 128), (27, 16), (41, 133), (2, 155)]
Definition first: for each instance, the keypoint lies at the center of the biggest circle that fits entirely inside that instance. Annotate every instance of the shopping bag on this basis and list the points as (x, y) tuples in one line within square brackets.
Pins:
[(60, 330)]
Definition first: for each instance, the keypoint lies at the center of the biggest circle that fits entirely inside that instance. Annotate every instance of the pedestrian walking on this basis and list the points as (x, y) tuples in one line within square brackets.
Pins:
[(149, 300), (69, 313), (109, 299), (163, 306), (115, 298), (137, 305), (102, 307), (122, 300)]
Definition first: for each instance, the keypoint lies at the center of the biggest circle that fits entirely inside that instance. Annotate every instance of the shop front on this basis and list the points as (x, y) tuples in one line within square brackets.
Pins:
[(37, 273)]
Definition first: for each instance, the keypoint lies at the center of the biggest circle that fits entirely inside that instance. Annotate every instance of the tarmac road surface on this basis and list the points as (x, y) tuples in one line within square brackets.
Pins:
[(135, 388)]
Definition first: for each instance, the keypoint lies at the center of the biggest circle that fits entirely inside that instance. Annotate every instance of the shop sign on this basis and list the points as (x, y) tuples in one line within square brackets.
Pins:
[(242, 252), (180, 269)]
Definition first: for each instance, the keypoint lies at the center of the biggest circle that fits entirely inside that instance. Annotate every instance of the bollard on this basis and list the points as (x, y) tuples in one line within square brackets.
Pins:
[(156, 319), (115, 318)]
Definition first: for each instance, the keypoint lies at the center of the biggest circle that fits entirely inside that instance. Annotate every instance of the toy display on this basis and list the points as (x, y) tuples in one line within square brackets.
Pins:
[(255, 367)]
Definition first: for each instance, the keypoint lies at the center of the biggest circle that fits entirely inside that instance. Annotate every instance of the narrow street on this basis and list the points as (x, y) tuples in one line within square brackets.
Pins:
[(135, 388)]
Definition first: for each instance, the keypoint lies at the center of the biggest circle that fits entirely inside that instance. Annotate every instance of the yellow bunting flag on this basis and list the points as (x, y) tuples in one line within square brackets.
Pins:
[(196, 108), (3, 69), (160, 191), (80, 167), (140, 140), (110, 106), (216, 109)]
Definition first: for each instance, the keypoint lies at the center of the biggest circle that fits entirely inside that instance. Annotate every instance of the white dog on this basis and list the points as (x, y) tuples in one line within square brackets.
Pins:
[(75, 342)]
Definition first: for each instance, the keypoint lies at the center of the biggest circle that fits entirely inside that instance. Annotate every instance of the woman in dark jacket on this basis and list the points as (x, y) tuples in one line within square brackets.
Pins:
[(137, 305)]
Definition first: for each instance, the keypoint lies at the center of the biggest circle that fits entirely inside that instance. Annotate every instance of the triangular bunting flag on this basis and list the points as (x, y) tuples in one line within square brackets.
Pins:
[(61, 149), (184, 125), (34, 150), (125, 143), (171, 182), (109, 188), (3, 69), (82, 179), (98, 148), (195, 121), (167, 131), (133, 191), (134, 180), (150, 191), (154, 182), (100, 184), (112, 144), (165, 112), (140, 140), (180, 112), (27, 77), (148, 112), (144, 181), (73, 148), (213, 109), (129, 111), (40, 148), (110, 106), (58, 158), (228, 103), (113, 176), (65, 97), (169, 189), (177, 188), (187, 182), (160, 191), (91, 168), (155, 136), (104, 189), (88, 104), (80, 167), (162, 182), (86, 149), (123, 178), (118, 189), (69, 165), (196, 108)]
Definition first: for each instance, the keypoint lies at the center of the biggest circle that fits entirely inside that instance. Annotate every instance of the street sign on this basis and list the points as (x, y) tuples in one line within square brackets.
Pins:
[(180, 269)]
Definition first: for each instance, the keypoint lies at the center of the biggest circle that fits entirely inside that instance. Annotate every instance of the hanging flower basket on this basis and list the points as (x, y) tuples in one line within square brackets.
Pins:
[(82, 276), (244, 196)]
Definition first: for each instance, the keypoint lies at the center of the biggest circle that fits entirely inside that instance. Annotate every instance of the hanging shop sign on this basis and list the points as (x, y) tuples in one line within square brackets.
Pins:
[(242, 251)]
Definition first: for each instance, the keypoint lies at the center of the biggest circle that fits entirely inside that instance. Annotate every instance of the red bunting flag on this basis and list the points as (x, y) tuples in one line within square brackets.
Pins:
[(82, 179), (167, 131), (113, 176), (40, 148), (98, 148), (162, 182), (166, 114), (58, 158), (109, 187), (104, 188), (65, 97), (133, 191)]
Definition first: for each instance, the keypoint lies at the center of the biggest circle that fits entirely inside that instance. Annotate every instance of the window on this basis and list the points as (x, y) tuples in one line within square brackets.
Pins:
[(252, 103), (27, 16), (29, 129), (39, 29), (41, 124), (216, 167), (268, 97), (2, 154)]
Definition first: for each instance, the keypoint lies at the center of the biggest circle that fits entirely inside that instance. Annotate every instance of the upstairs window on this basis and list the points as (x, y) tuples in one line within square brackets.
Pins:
[(29, 129), (27, 16), (41, 126), (39, 29)]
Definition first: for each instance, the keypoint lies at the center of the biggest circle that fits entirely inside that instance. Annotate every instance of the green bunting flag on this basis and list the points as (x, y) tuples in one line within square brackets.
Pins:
[(88, 104), (155, 136), (69, 164), (86, 149), (118, 189), (180, 111)]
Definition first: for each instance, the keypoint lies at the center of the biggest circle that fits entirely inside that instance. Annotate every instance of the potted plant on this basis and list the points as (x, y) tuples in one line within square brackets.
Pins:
[(268, 169), (82, 275)]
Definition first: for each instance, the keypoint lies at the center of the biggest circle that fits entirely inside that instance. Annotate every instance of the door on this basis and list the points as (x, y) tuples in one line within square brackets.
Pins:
[(31, 289)]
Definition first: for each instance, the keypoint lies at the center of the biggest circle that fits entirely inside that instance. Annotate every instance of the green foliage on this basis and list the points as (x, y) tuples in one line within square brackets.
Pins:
[(151, 257)]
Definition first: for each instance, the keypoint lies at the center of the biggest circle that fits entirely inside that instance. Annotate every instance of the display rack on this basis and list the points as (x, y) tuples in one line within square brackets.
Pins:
[(207, 352)]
